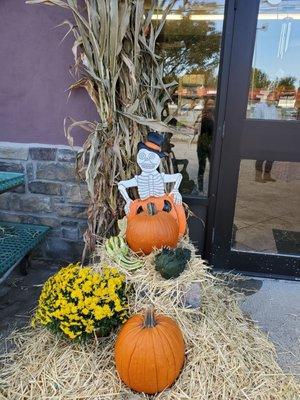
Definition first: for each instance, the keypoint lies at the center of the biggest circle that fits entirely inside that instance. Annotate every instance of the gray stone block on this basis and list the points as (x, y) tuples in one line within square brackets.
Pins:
[(38, 220), (75, 193), (70, 224), (13, 152), (30, 171), (55, 233), (56, 171), (62, 251), (49, 188), (11, 166), (9, 201), (57, 199), (24, 202), (42, 153), (18, 189), (20, 217), (31, 203), (66, 155), (70, 233), (67, 210), (10, 217)]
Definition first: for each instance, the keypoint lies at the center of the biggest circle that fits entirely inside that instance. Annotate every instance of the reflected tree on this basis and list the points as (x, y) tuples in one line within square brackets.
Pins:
[(260, 79), (190, 46), (286, 83)]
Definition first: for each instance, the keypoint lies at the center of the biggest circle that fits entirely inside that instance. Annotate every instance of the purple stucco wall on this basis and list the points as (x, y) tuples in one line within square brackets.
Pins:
[(34, 74)]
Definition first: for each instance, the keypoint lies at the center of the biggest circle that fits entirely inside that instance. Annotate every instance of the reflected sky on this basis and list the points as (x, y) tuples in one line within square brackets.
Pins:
[(269, 35), (266, 52)]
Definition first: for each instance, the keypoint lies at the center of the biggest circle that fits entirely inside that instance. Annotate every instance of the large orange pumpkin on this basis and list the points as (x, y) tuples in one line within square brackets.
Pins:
[(162, 203), (149, 352), (151, 229)]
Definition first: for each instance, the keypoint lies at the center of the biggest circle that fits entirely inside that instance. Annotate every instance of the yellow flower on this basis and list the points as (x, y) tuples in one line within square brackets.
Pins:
[(107, 311), (89, 325), (96, 279), (113, 270), (75, 300), (118, 306), (57, 303), (76, 294), (68, 332), (87, 287), (74, 317), (88, 301), (73, 309), (80, 304), (98, 313), (84, 272)]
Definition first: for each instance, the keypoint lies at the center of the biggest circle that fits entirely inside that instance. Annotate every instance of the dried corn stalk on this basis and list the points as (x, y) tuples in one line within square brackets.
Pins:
[(114, 52)]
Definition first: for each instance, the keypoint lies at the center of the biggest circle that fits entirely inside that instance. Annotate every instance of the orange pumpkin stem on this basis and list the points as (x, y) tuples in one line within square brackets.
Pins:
[(149, 321), (151, 209)]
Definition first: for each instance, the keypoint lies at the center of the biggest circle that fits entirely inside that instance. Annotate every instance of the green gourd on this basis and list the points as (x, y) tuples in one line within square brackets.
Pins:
[(171, 263)]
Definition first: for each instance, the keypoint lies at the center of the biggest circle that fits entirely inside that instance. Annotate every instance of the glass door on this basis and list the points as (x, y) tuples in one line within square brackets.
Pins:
[(257, 216), (190, 46)]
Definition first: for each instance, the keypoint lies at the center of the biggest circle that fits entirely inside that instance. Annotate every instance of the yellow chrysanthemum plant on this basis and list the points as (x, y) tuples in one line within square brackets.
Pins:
[(80, 302)]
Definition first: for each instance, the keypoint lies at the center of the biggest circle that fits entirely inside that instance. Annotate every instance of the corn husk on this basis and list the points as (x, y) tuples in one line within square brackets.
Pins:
[(115, 61)]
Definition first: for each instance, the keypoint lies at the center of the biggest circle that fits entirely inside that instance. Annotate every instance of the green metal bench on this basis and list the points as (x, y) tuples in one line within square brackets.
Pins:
[(9, 180), (16, 240)]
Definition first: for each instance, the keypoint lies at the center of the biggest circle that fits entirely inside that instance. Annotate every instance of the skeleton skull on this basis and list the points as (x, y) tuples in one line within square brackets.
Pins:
[(147, 160)]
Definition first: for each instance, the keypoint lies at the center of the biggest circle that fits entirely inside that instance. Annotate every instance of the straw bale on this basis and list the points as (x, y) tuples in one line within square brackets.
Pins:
[(227, 356)]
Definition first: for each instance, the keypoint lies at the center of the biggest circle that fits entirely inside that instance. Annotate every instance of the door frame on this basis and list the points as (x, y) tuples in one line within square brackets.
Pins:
[(201, 225), (237, 138), (220, 112)]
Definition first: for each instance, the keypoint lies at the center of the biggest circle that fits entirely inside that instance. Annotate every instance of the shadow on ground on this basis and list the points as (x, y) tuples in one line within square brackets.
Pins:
[(18, 298)]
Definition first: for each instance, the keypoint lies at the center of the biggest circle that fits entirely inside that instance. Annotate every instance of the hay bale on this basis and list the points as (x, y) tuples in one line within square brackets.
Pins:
[(227, 356)]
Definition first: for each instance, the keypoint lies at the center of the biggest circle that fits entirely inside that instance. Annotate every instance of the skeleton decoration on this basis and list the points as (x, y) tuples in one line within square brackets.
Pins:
[(150, 182)]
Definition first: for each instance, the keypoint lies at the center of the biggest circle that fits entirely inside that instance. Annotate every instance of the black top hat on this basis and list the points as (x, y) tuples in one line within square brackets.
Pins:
[(154, 143)]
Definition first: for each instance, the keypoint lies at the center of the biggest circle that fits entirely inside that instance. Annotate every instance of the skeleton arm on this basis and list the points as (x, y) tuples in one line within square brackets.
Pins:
[(123, 186), (176, 178)]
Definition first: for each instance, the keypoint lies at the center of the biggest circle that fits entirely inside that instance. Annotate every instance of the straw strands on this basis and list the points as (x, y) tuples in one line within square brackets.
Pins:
[(227, 356)]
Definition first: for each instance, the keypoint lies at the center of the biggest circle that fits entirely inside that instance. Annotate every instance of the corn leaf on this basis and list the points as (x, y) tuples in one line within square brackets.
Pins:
[(115, 61)]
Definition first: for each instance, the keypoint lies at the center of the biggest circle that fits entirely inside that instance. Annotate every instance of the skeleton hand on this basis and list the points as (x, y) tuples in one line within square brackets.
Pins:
[(127, 206), (177, 196)]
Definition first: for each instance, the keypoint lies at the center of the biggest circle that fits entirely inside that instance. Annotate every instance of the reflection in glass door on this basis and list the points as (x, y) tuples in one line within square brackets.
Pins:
[(267, 215), (257, 216), (275, 76), (190, 47)]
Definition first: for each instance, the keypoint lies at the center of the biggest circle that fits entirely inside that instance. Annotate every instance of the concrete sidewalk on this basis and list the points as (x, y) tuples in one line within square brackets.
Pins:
[(275, 306)]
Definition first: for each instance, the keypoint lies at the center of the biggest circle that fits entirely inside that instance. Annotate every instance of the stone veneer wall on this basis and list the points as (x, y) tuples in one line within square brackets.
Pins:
[(52, 195)]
